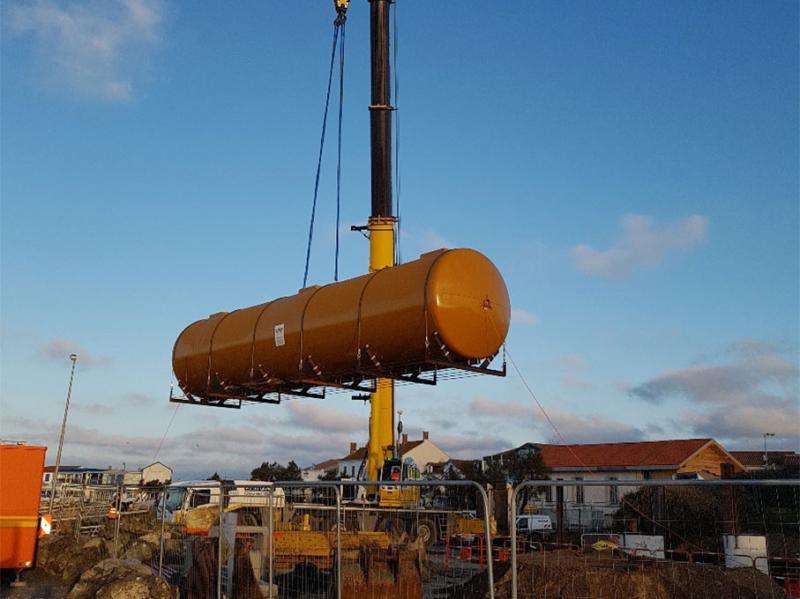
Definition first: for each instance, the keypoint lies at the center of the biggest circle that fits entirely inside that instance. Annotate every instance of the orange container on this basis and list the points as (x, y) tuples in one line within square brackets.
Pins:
[(449, 307), (21, 468)]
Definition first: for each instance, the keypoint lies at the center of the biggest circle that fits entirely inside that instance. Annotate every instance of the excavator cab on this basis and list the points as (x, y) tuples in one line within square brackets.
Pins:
[(397, 470)]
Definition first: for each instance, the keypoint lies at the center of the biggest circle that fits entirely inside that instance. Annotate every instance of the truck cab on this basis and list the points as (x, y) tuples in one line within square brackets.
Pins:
[(184, 497)]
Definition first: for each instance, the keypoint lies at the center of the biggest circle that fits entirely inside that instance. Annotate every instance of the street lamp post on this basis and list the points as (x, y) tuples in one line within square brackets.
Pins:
[(74, 358), (766, 455)]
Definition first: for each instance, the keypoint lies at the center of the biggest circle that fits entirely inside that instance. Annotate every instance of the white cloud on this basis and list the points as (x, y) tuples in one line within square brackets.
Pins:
[(572, 427), (520, 316), (752, 391), (643, 244), (60, 350), (304, 414), (419, 241), (93, 49)]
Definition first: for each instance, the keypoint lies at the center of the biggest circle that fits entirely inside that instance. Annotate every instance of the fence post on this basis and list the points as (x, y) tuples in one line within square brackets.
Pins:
[(117, 505), (271, 521), (339, 520), (219, 540), (161, 539), (488, 534), (78, 516), (513, 526)]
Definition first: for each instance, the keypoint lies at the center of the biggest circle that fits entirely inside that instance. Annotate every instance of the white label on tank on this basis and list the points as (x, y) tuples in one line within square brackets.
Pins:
[(279, 338)]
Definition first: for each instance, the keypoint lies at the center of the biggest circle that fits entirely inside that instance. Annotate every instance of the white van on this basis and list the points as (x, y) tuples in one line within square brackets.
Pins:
[(536, 527), (185, 496)]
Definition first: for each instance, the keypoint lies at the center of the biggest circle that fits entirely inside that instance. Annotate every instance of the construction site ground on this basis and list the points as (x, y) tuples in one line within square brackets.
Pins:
[(565, 573)]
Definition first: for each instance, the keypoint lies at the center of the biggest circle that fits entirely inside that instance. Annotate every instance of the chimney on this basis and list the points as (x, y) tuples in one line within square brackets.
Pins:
[(353, 446), (405, 438), (425, 436)]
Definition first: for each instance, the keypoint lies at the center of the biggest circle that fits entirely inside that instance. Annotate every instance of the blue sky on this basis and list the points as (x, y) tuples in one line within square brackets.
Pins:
[(632, 169)]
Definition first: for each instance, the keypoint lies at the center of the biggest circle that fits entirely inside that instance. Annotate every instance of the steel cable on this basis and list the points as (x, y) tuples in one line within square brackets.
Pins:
[(337, 24), (339, 155)]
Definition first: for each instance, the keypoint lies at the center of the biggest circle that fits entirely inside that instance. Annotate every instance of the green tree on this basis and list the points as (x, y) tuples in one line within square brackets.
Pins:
[(214, 476), (332, 474), (276, 472), (513, 469)]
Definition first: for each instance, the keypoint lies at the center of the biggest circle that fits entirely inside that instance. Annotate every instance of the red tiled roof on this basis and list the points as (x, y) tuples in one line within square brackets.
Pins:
[(603, 455), (326, 465), (361, 452), (756, 458)]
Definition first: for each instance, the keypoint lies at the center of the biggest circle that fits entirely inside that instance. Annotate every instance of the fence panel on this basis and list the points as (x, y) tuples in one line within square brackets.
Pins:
[(617, 538), (189, 547), (348, 539), (135, 523)]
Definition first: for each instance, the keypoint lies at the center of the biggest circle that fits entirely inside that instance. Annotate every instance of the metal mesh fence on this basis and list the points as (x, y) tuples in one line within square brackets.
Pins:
[(437, 539), (189, 535), (349, 539), (729, 538)]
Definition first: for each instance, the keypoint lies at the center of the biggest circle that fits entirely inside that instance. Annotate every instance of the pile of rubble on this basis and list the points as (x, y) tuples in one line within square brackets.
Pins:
[(574, 574), (87, 567)]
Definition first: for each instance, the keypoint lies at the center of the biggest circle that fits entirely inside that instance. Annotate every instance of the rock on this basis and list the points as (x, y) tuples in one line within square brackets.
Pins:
[(94, 543), (120, 579), (139, 551), (151, 539), (60, 556)]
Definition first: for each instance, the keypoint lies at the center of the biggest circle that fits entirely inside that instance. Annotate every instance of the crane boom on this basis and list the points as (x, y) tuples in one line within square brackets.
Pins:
[(381, 225)]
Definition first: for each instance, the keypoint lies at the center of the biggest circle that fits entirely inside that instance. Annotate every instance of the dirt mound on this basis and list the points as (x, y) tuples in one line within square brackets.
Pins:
[(562, 574), (84, 566)]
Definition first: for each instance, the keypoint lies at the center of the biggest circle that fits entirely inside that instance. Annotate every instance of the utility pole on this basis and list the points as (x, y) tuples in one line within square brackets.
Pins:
[(74, 358), (381, 224)]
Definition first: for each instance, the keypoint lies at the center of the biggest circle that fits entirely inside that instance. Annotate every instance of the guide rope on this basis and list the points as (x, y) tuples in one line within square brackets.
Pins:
[(338, 25)]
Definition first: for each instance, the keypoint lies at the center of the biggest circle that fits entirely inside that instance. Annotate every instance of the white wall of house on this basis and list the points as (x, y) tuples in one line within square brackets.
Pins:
[(426, 453), (312, 474), (349, 468), (156, 471), (589, 507), (132, 478)]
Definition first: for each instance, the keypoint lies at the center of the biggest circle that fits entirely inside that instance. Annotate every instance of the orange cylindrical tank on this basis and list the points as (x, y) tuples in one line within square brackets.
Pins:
[(448, 304), (21, 468)]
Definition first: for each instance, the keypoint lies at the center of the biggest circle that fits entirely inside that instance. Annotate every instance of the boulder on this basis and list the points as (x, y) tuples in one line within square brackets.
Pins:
[(60, 556), (120, 579)]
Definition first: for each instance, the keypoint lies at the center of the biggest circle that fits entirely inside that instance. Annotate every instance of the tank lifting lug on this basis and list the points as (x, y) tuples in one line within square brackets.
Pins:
[(372, 357), (314, 366), (442, 346)]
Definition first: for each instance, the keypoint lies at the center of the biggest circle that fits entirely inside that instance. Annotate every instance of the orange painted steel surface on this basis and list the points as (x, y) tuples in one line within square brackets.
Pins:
[(21, 468), (447, 305)]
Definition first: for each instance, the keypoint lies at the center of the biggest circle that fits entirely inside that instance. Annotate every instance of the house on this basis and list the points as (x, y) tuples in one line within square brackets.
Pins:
[(452, 468), (523, 451), (588, 506), (758, 461), (422, 451), (77, 475), (317, 471), (156, 473)]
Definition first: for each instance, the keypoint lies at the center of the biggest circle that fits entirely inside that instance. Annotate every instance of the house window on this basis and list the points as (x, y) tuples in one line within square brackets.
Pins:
[(579, 491), (613, 492)]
